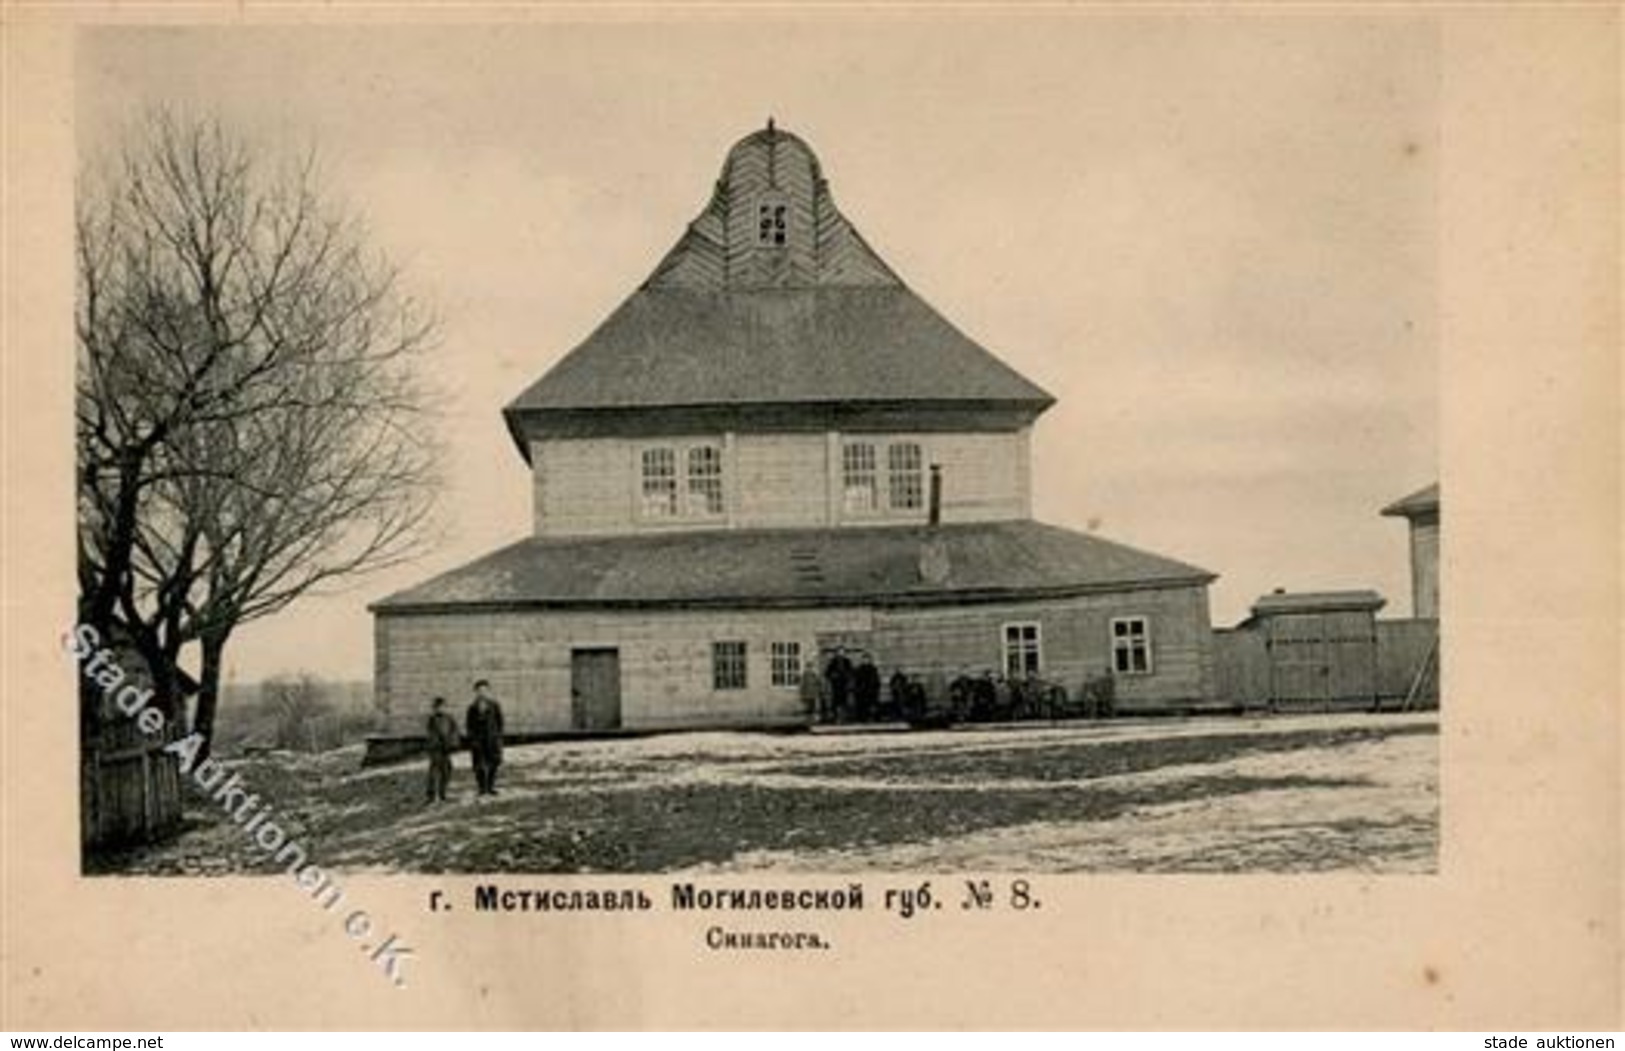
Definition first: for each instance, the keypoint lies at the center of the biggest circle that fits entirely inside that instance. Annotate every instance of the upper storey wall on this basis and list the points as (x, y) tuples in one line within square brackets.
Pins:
[(627, 485)]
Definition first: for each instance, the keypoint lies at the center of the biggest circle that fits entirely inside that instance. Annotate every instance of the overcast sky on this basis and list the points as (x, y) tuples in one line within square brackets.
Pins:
[(1211, 237)]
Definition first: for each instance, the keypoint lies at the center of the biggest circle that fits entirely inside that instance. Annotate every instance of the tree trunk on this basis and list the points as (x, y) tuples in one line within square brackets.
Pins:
[(97, 608), (208, 695)]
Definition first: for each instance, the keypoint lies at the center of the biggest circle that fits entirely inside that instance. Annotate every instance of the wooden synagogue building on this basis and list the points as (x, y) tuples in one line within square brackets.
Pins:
[(771, 447)]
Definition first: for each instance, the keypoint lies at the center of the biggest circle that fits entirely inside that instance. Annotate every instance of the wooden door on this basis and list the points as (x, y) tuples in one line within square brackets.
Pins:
[(1299, 671), (1351, 658), (595, 689)]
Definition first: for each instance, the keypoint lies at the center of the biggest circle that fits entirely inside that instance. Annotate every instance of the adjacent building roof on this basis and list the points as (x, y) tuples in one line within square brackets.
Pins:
[(1424, 501), (1318, 602), (771, 297), (801, 567)]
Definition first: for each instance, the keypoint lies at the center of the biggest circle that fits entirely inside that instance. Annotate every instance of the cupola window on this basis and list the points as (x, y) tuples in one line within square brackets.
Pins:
[(772, 222)]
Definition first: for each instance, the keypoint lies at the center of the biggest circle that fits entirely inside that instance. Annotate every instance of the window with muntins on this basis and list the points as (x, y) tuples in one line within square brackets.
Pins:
[(682, 481), (862, 463), (1023, 650), (786, 663), (904, 489), (772, 223), (1131, 646), (728, 665), (659, 483), (858, 477), (704, 480)]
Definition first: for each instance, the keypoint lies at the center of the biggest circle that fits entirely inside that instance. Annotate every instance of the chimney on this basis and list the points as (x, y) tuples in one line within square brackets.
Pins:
[(936, 495)]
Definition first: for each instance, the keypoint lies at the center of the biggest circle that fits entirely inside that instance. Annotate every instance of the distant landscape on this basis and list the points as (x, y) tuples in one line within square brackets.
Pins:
[(293, 713)]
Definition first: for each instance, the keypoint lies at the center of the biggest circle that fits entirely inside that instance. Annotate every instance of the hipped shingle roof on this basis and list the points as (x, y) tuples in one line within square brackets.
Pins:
[(799, 567), (728, 319), (776, 346)]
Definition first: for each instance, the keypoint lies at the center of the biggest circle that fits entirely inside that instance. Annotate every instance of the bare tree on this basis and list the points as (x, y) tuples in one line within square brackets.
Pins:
[(250, 423), (300, 704)]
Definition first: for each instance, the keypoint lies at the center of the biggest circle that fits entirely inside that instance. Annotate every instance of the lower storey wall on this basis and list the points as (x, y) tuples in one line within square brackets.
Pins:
[(665, 657), (1075, 642), (665, 663)]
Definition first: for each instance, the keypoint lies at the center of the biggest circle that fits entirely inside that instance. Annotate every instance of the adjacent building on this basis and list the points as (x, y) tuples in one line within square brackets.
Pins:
[(1421, 510), (773, 447)]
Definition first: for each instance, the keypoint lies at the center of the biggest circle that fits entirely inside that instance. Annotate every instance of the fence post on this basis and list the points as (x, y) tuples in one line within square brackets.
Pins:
[(148, 820)]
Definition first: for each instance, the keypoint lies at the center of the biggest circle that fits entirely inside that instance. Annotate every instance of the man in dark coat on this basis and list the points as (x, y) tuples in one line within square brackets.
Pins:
[(902, 696), (866, 687), (838, 673), (443, 739), (484, 727)]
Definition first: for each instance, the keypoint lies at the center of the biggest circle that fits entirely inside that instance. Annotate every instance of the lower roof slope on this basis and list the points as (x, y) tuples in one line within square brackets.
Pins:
[(796, 567), (670, 347)]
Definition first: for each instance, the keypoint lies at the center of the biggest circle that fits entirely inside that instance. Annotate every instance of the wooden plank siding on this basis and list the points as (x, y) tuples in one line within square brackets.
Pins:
[(1322, 659), (591, 486), (666, 667), (1402, 652), (780, 480), (665, 662), (1425, 567), (1076, 642), (129, 787), (1243, 668)]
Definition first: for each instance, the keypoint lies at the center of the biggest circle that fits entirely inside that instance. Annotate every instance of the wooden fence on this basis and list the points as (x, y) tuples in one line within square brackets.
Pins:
[(1407, 665), (1408, 661), (129, 787)]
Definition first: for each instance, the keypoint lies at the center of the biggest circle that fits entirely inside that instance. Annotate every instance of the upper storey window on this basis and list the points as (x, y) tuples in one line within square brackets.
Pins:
[(904, 488), (659, 483), (772, 222), (704, 480), (858, 477), (861, 477), (682, 481)]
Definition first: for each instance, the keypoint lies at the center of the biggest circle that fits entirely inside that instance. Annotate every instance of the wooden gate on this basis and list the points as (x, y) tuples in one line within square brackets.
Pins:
[(1322, 659), (595, 689), (129, 787)]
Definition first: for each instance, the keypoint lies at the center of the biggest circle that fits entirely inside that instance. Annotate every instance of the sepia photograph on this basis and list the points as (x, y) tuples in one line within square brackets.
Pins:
[(490, 487), (811, 517)]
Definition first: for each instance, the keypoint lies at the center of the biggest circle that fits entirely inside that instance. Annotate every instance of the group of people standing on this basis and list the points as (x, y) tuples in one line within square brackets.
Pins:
[(847, 690), (482, 730)]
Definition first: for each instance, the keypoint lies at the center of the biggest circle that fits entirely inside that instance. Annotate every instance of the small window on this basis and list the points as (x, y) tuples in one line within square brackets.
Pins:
[(728, 665), (705, 480), (858, 476), (1023, 650), (659, 483), (772, 224), (1131, 646), (786, 663), (904, 489)]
